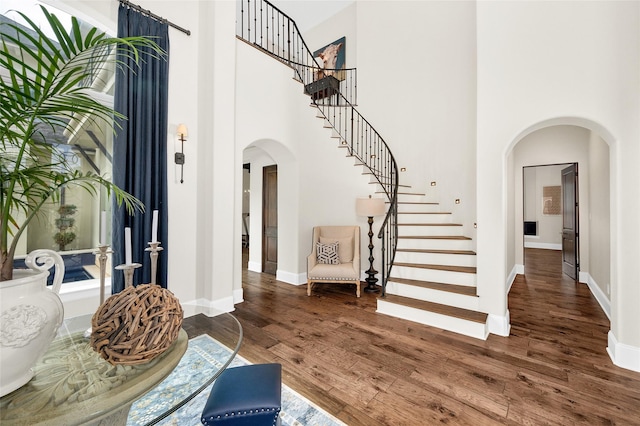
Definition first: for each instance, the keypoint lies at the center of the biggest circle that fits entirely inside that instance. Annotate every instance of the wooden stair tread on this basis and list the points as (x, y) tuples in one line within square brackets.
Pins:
[(435, 237), (437, 308), (436, 251), (451, 288), (450, 268)]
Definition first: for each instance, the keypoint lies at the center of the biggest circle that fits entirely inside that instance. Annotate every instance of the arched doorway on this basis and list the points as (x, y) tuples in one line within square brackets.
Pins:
[(572, 140)]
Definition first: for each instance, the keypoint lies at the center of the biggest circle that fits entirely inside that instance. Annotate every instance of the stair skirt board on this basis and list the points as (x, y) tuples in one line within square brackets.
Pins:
[(463, 301), (435, 275), (456, 325)]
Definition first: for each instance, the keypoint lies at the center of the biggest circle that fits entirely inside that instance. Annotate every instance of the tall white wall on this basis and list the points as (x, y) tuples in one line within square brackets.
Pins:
[(416, 86), (533, 72), (451, 86)]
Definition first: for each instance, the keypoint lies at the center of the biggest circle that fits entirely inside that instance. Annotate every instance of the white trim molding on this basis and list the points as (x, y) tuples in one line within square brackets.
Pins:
[(291, 277), (597, 292), (254, 266), (624, 356), (500, 325), (208, 307), (517, 269), (238, 296)]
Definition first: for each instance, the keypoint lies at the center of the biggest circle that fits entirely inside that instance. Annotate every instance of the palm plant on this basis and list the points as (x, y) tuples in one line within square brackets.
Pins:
[(44, 85)]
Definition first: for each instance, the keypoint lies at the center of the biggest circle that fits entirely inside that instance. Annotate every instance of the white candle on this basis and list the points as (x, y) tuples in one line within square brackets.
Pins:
[(127, 246), (154, 227), (103, 228)]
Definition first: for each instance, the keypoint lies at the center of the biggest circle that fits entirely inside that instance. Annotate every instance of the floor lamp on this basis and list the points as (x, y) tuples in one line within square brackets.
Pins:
[(370, 207)]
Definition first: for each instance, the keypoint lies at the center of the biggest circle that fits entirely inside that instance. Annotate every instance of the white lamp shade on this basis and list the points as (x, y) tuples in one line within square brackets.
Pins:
[(182, 131), (370, 207)]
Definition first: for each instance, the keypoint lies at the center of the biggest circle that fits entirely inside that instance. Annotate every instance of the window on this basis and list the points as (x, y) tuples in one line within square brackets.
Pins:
[(73, 225)]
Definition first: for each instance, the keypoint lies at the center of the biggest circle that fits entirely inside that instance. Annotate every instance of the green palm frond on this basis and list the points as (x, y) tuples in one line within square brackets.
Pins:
[(45, 82)]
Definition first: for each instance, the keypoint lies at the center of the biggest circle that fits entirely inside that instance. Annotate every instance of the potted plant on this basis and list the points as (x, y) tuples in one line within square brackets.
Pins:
[(64, 223), (44, 85)]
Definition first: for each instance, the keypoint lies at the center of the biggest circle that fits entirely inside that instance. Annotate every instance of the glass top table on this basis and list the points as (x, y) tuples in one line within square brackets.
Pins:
[(73, 385)]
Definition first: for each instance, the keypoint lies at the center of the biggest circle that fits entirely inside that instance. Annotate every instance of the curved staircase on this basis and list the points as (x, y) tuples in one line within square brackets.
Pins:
[(428, 266)]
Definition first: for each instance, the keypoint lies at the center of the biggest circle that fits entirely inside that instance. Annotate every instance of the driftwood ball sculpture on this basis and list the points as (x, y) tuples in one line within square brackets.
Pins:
[(136, 325)]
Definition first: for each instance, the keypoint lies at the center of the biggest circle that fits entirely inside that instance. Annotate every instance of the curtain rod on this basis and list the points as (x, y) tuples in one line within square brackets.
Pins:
[(154, 16)]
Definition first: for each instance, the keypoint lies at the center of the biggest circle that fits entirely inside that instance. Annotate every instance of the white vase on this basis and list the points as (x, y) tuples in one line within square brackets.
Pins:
[(30, 315)]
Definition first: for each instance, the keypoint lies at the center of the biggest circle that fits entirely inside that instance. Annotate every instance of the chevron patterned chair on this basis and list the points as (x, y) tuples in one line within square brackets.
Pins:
[(335, 256)]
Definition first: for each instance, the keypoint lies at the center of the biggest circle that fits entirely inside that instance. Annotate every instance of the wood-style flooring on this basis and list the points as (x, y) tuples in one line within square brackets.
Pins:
[(370, 369)]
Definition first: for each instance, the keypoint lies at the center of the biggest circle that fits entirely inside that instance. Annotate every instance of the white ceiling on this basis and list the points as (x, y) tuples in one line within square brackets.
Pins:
[(309, 13)]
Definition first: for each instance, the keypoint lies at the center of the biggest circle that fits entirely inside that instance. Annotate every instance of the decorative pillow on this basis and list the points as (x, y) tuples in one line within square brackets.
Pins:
[(345, 247), (327, 253)]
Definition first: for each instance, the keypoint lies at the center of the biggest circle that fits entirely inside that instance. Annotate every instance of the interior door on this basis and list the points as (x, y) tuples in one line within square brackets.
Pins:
[(270, 219), (570, 235)]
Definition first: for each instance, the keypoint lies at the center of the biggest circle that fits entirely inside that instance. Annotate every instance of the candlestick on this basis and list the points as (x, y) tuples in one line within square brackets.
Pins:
[(154, 248), (103, 228), (154, 227), (102, 252), (128, 270), (127, 246)]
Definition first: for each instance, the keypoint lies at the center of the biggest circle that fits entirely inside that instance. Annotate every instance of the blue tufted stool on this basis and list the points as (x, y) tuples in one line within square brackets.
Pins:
[(249, 395)]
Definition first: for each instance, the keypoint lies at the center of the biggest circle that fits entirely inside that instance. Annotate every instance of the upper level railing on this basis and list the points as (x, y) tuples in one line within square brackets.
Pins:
[(267, 28), (334, 93)]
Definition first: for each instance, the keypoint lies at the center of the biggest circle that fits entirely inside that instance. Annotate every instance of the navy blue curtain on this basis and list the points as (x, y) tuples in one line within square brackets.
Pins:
[(140, 149)]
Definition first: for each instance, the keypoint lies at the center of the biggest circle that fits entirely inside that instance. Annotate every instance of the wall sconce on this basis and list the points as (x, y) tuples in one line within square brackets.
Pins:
[(179, 158)]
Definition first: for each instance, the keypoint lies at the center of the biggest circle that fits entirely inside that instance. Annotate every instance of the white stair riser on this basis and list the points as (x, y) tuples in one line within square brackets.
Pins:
[(429, 231), (435, 275), (457, 325), (436, 296), (435, 244), (436, 258), (406, 195), (425, 218), (418, 208)]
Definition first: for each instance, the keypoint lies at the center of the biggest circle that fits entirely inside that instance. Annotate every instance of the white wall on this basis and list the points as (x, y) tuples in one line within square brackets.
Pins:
[(532, 70), (416, 86), (549, 227), (317, 184), (451, 86), (599, 215), (553, 145)]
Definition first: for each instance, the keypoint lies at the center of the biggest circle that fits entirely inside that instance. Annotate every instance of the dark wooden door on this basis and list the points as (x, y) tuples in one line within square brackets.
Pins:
[(570, 235), (270, 219)]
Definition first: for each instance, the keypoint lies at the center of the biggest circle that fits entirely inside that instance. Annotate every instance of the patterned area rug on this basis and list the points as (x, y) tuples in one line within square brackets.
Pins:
[(201, 357)]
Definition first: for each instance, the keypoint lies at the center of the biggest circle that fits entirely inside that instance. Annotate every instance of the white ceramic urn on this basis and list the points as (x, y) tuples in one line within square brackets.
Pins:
[(30, 315)]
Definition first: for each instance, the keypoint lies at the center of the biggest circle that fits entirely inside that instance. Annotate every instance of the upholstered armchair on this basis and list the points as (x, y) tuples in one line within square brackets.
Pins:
[(335, 256)]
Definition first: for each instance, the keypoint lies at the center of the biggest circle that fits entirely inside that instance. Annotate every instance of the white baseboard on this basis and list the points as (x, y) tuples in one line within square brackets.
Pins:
[(597, 292), (624, 356), (238, 296), (517, 269), (291, 278), (546, 246), (499, 325), (208, 307), (254, 266)]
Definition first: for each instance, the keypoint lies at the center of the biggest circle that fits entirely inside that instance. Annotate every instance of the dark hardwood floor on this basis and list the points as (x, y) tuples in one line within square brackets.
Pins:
[(370, 369)]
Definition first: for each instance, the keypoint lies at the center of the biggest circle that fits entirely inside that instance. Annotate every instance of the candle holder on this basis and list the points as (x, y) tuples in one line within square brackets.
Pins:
[(154, 248), (128, 270), (102, 252)]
